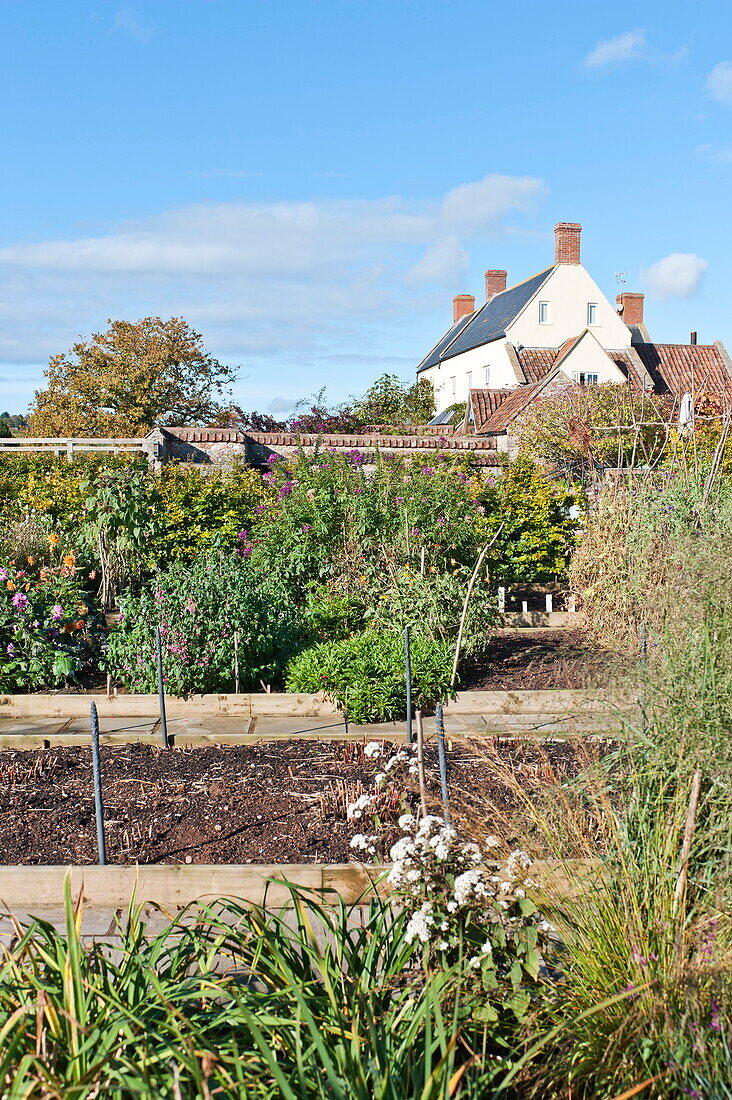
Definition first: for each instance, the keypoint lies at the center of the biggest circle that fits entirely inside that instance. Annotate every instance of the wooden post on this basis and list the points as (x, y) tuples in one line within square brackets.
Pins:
[(69, 450), (524, 607), (549, 603), (501, 600)]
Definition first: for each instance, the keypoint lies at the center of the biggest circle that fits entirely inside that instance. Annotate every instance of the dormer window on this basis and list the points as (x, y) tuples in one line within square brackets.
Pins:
[(592, 313), (544, 313)]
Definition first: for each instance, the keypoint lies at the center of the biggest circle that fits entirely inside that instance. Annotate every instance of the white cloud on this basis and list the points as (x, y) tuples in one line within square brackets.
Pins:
[(266, 283), (128, 21), (444, 262), (676, 276), (719, 83), (630, 46)]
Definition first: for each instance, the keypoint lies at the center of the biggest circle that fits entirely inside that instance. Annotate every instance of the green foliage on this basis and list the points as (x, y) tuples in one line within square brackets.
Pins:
[(202, 509), (167, 1014), (389, 401), (587, 427), (199, 608), (364, 674), (50, 627)]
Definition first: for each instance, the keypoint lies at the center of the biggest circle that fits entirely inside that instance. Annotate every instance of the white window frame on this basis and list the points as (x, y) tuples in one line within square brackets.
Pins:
[(469, 380), (585, 378), (487, 372), (545, 313), (593, 308), (453, 384)]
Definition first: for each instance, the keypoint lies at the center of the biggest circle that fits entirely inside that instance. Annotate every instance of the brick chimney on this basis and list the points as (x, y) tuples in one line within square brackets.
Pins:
[(632, 307), (462, 305), (495, 282), (567, 243)]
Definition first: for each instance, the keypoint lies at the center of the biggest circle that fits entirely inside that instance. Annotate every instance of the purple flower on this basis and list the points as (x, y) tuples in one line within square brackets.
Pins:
[(57, 611), (10, 649), (427, 471), (243, 535), (306, 527), (441, 521), (20, 601), (356, 458), (358, 489), (259, 509), (714, 1021), (415, 531), (3, 574), (271, 459), (399, 500)]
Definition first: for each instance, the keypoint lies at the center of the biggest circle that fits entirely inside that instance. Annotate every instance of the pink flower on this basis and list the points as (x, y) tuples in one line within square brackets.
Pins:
[(57, 611), (20, 601)]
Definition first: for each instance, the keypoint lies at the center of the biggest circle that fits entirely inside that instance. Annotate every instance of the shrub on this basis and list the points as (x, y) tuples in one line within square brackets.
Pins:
[(199, 608), (50, 628), (364, 675)]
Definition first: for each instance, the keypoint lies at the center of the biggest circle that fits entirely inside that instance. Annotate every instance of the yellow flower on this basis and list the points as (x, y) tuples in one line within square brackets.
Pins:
[(54, 539), (31, 561), (69, 561)]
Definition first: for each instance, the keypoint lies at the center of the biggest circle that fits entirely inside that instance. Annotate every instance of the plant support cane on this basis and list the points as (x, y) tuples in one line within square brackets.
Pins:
[(97, 773), (408, 677), (161, 688)]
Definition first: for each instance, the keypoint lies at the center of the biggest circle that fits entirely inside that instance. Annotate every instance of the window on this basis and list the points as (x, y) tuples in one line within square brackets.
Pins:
[(543, 313), (452, 383), (592, 313), (585, 379), (469, 379), (487, 376)]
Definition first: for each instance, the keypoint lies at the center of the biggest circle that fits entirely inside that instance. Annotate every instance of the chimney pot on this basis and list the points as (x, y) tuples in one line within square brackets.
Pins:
[(495, 283), (567, 243), (462, 305), (692, 338), (632, 307)]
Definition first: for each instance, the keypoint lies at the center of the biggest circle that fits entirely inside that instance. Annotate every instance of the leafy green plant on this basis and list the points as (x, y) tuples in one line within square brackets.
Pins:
[(364, 674), (199, 608)]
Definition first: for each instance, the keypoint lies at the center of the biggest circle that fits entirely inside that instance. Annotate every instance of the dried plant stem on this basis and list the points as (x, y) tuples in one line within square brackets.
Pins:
[(468, 594), (420, 762), (688, 838)]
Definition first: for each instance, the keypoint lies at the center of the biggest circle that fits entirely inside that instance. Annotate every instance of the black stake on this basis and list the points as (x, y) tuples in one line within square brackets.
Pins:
[(408, 675), (644, 643), (236, 662), (161, 688), (442, 757), (97, 772)]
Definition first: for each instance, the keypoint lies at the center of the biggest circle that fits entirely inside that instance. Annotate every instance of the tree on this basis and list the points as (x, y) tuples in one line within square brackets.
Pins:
[(123, 381), (390, 401), (591, 427)]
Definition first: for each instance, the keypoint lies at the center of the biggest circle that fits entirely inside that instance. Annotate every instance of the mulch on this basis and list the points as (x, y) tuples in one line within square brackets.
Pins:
[(535, 660), (272, 802)]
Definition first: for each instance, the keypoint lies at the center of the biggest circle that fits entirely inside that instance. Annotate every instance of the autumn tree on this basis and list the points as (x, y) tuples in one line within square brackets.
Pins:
[(123, 381)]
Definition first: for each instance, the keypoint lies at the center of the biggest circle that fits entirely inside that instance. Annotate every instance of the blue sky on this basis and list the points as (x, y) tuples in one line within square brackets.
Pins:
[(309, 182)]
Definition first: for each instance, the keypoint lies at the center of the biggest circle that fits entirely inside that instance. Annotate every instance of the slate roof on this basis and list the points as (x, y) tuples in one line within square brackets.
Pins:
[(487, 323), (493, 318), (432, 358)]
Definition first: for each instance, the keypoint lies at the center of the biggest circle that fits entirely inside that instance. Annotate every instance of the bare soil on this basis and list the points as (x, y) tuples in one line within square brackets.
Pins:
[(533, 660), (273, 802)]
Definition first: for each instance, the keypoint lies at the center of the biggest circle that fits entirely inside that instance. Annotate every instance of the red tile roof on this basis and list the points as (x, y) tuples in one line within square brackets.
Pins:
[(484, 403), (686, 368), (206, 435), (536, 362), (510, 408)]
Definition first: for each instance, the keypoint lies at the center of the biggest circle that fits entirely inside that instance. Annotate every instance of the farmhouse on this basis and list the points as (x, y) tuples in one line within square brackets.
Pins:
[(554, 331)]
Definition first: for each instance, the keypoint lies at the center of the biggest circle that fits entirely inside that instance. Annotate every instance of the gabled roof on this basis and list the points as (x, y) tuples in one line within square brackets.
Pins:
[(492, 319), (487, 323), (687, 368), (484, 403), (509, 409), (432, 358)]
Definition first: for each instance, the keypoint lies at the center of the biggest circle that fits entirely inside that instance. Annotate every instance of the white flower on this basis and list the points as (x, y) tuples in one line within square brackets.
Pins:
[(472, 853), (475, 962), (355, 809), (374, 750), (487, 948), (402, 849), (420, 924), (517, 862), (519, 893), (379, 778), (406, 822), (442, 945), (364, 843), (545, 926), (468, 885), (492, 842)]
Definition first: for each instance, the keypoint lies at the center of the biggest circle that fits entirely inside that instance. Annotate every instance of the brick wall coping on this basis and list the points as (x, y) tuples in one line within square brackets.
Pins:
[(371, 442)]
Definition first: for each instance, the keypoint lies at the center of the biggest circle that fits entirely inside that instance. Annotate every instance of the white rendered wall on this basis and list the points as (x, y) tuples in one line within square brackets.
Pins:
[(468, 370), (568, 290), (587, 356)]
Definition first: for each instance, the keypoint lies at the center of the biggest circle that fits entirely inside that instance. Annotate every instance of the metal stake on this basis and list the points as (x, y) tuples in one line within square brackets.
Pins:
[(161, 688), (236, 662), (408, 676), (97, 772), (442, 758), (644, 643)]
